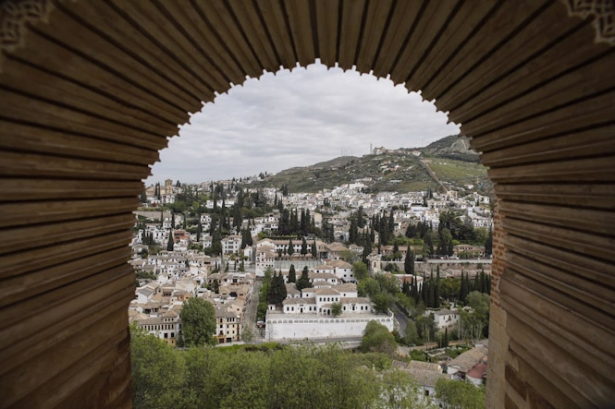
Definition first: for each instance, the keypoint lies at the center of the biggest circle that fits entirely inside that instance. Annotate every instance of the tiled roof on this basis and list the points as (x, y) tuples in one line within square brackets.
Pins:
[(468, 359)]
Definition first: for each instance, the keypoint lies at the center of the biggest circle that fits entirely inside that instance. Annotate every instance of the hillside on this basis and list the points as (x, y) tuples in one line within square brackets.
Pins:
[(445, 163), (452, 147)]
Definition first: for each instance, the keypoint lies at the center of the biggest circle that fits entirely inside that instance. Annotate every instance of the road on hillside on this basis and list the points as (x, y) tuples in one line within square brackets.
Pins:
[(400, 317), (249, 317)]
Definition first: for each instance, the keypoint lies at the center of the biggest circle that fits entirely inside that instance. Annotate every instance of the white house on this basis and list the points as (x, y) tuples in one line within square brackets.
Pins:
[(311, 315), (445, 318)]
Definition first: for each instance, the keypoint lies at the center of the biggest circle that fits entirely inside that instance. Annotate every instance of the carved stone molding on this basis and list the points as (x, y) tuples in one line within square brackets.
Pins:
[(14, 15), (603, 14)]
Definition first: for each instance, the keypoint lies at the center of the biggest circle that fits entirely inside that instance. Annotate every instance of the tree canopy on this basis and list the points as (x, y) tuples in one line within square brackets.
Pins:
[(198, 319), (377, 338), (454, 394)]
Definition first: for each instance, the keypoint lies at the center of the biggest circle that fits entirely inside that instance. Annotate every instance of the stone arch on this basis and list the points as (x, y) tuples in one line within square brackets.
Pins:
[(90, 91)]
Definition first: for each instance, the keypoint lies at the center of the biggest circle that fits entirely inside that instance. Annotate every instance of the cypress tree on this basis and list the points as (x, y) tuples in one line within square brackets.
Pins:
[(291, 248), (303, 225), (437, 289), (424, 291), (314, 249), (272, 295), (409, 262), (463, 289), (414, 290), (243, 239), (445, 343), (431, 296), (295, 222), (429, 245), (405, 288), (304, 249), (353, 232), (170, 243), (292, 275), (489, 243), (304, 280), (360, 218), (282, 293), (367, 248)]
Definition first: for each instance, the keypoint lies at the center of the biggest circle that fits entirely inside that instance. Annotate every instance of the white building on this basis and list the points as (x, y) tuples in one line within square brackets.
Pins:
[(310, 316), (445, 318), (231, 244)]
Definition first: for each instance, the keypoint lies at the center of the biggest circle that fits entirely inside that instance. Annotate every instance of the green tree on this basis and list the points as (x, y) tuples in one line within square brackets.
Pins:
[(489, 243), (314, 249), (382, 301), (377, 338), (198, 319), (304, 280), (463, 289), (436, 289), (409, 262), (291, 248), (304, 249), (247, 335), (157, 372), (143, 197), (360, 218), (426, 327), (292, 275), (170, 243), (455, 394), (410, 334), (359, 269), (368, 287), (336, 309)]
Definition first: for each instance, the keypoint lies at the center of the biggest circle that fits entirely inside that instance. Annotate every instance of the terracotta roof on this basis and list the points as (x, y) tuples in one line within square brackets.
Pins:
[(478, 372)]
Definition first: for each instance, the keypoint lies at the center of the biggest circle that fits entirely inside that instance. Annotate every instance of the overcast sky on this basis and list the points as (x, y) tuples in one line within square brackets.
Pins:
[(297, 118)]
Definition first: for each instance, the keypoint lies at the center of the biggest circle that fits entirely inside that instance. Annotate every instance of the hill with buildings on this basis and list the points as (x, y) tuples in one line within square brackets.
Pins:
[(446, 163)]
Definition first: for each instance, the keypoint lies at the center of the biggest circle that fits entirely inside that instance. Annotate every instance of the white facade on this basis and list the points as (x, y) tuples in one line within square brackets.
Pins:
[(445, 318), (302, 326), (231, 244)]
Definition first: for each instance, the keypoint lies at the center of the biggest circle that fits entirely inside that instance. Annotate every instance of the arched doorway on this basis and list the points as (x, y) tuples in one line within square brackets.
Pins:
[(91, 91)]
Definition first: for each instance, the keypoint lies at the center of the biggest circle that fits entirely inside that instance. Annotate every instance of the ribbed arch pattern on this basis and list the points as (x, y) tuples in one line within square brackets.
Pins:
[(91, 90)]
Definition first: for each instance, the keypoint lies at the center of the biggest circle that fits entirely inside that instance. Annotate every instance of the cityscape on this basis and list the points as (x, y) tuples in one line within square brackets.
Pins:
[(179, 233), (322, 268)]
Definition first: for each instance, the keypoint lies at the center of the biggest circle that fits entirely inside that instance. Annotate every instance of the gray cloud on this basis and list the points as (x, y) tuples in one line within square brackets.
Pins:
[(296, 119)]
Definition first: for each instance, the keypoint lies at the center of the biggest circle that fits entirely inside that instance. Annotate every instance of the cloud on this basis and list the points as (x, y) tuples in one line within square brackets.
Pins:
[(296, 119)]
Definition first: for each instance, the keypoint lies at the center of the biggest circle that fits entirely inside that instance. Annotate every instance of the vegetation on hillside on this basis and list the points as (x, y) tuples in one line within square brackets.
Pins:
[(275, 376), (400, 170)]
